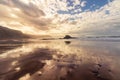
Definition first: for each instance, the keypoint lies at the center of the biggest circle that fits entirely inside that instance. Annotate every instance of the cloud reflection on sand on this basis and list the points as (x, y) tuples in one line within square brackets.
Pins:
[(56, 60)]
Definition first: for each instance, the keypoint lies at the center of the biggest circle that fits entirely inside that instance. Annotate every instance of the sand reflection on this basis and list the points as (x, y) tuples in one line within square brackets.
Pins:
[(61, 60)]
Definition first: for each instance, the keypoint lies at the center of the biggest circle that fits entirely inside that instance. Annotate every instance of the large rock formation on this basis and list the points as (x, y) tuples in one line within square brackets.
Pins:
[(6, 33), (67, 37)]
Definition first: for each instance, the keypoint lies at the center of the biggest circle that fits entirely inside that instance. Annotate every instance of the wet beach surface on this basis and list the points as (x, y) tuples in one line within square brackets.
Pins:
[(60, 60)]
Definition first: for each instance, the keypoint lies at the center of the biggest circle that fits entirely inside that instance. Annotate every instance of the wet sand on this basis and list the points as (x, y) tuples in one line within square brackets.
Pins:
[(61, 60)]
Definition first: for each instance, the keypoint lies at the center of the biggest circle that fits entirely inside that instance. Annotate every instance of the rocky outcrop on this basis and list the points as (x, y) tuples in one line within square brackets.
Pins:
[(67, 37)]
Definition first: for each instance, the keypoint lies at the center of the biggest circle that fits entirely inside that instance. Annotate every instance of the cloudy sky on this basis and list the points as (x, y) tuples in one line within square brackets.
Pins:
[(60, 17)]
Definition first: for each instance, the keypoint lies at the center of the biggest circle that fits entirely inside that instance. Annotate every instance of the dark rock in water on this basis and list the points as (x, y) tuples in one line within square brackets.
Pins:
[(67, 37)]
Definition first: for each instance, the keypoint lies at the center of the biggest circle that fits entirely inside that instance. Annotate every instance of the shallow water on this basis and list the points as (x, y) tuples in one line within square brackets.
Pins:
[(60, 60)]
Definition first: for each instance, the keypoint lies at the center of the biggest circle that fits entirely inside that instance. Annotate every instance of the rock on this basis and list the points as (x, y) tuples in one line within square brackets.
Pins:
[(6, 33), (67, 37)]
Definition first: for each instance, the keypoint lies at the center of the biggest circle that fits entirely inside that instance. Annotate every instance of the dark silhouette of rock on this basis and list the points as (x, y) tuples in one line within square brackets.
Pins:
[(6, 33), (67, 37)]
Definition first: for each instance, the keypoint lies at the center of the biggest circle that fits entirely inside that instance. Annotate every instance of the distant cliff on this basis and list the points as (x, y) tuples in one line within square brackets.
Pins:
[(6, 33)]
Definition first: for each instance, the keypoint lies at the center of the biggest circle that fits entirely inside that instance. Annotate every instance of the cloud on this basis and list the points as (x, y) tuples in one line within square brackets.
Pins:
[(83, 4), (100, 23), (60, 17), (17, 14)]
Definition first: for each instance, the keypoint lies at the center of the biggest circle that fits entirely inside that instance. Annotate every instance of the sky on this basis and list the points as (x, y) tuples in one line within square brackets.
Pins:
[(60, 17)]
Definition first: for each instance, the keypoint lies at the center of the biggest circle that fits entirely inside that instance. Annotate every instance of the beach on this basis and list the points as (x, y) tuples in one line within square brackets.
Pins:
[(60, 60)]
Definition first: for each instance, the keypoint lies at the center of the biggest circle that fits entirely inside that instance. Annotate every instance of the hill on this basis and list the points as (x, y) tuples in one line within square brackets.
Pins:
[(6, 33)]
